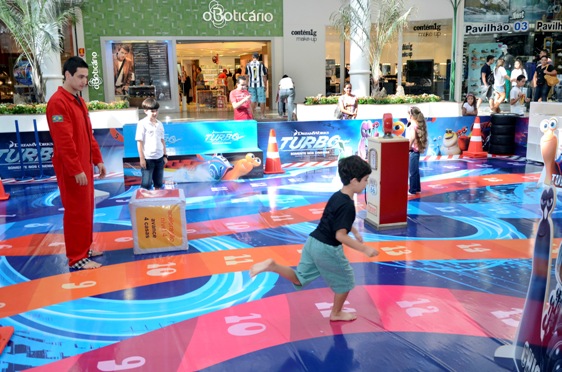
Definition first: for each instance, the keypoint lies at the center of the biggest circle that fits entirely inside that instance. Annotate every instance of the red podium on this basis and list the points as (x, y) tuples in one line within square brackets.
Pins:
[(387, 189)]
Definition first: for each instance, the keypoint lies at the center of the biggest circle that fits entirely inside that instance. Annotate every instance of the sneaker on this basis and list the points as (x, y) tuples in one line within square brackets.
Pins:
[(409, 193)]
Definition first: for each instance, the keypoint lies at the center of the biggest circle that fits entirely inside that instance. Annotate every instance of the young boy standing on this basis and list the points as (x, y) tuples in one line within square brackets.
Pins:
[(151, 146), (240, 99), (323, 254), (517, 98)]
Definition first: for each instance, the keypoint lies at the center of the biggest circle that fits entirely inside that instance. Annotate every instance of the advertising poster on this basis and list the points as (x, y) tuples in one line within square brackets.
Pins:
[(123, 67), (37, 159), (141, 64), (201, 152)]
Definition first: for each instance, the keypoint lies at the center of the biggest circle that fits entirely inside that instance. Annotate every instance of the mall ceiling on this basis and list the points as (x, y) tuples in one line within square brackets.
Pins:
[(195, 50)]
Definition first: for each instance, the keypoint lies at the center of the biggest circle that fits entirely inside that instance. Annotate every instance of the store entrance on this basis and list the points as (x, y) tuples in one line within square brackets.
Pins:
[(200, 67)]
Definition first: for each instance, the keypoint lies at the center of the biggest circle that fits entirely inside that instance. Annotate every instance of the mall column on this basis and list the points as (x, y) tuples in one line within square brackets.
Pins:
[(387, 189)]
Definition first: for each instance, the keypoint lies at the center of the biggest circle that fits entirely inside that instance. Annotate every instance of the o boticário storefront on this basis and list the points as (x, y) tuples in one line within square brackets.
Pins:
[(151, 32)]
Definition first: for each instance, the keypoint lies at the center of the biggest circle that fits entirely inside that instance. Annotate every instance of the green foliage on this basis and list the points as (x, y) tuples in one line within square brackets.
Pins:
[(390, 99), (35, 26), (41, 108)]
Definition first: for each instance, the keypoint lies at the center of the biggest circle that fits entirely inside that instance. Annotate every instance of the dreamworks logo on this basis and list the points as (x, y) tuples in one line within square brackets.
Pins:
[(219, 17)]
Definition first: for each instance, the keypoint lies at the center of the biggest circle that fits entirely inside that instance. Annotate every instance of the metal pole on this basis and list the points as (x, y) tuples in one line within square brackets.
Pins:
[(18, 139), (38, 147)]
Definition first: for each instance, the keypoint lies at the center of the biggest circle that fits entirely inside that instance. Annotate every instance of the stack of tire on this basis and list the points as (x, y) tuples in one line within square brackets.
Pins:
[(502, 134)]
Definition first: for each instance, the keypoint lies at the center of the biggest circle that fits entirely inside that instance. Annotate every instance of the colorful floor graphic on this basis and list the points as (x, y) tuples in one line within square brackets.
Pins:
[(445, 292)]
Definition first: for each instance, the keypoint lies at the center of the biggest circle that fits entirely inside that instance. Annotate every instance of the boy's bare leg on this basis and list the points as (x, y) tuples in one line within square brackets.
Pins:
[(270, 265), (337, 315)]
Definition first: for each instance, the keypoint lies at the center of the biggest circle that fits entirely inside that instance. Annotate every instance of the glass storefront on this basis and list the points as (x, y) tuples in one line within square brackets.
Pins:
[(516, 29), (424, 58)]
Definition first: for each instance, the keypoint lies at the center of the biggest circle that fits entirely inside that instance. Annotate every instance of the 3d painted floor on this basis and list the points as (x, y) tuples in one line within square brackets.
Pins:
[(443, 295)]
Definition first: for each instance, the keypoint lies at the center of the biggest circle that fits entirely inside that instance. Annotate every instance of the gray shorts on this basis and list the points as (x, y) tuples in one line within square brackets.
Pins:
[(486, 92), (327, 261)]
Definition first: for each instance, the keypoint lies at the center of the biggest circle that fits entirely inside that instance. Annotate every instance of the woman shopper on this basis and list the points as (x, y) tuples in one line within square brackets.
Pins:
[(517, 70), (417, 137), (500, 77), (348, 103), (539, 81)]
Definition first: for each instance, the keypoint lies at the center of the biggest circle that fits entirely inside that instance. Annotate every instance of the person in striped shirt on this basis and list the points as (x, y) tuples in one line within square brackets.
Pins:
[(257, 83)]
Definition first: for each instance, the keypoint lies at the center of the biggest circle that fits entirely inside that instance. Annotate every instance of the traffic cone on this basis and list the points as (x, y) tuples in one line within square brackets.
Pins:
[(5, 334), (3, 195), (475, 146), (273, 162)]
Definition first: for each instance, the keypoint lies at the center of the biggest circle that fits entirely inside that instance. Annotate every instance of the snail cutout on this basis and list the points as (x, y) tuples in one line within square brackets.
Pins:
[(549, 150)]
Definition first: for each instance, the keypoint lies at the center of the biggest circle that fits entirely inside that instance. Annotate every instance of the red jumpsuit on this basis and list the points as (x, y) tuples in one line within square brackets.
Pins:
[(75, 151)]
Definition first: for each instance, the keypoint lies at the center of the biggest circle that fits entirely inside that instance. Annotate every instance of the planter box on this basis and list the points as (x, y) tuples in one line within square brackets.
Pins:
[(100, 119), (429, 109)]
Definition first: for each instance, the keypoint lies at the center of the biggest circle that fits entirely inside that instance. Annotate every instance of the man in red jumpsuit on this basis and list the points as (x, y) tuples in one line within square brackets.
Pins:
[(75, 153)]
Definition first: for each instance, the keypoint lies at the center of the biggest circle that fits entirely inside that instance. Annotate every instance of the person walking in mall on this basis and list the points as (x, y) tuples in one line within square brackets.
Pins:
[(75, 151), (257, 83), (286, 95), (240, 99), (500, 78), (539, 81), (485, 77)]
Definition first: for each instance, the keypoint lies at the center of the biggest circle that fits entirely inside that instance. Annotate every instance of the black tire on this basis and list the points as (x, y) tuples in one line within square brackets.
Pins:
[(502, 149), (503, 129), (504, 119), (502, 139)]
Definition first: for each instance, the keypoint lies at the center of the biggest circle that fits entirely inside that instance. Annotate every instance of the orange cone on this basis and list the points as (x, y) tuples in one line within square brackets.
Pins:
[(273, 162), (5, 334), (3, 195), (475, 146)]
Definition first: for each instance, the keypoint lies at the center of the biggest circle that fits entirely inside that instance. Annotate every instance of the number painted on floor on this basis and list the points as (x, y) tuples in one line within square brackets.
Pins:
[(86, 284), (414, 311), (124, 239), (161, 269), (406, 304), (473, 248), (242, 327), (127, 363), (237, 260), (326, 308), (316, 210), (242, 225), (282, 217), (396, 251), (447, 209), (511, 318)]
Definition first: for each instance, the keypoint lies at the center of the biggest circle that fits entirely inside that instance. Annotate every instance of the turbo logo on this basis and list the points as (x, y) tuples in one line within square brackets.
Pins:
[(309, 142), (221, 138), (29, 155)]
